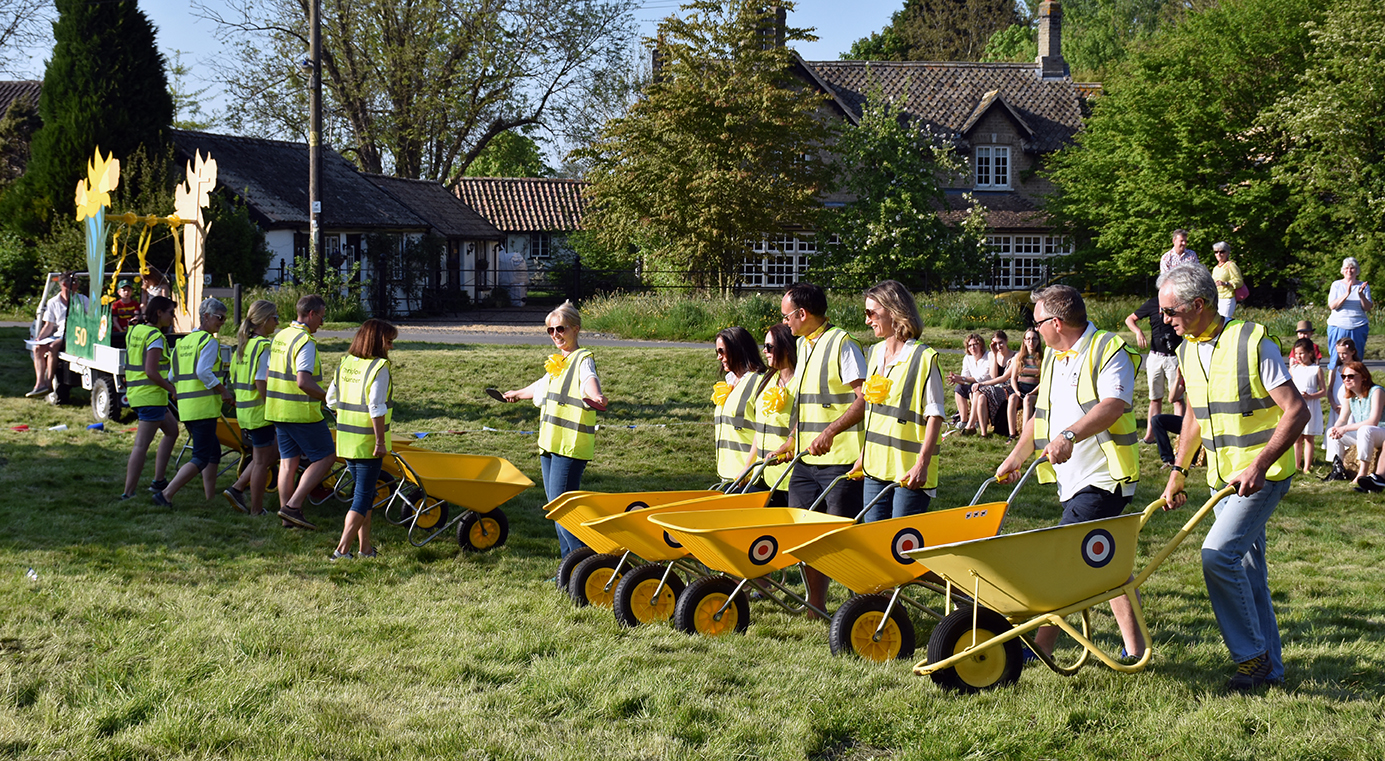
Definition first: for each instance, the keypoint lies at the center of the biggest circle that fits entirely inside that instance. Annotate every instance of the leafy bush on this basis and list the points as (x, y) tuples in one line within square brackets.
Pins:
[(19, 272), (342, 293)]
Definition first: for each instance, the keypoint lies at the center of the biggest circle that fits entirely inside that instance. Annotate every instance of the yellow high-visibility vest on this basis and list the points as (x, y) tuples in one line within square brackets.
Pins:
[(355, 434), (1119, 442), (895, 428), (735, 426), (566, 426), (773, 429), (822, 397), (249, 404), (1233, 407), (285, 402), (195, 400), (140, 390)]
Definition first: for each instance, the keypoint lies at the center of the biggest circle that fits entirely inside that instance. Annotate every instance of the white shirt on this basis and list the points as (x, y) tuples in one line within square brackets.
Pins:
[(933, 397), (262, 369), (55, 311), (1087, 466), (205, 369), (377, 396), (977, 369), (1273, 372)]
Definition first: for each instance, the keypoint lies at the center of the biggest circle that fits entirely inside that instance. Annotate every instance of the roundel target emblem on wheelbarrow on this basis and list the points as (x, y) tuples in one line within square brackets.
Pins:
[(670, 541), (907, 539), (763, 550), (637, 505), (1098, 548)]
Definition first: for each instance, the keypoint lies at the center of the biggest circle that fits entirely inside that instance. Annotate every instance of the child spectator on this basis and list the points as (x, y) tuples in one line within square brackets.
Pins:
[(1305, 330), (126, 307), (1308, 377)]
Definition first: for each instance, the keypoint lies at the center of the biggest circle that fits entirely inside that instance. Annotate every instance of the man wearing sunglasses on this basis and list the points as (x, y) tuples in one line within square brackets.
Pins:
[(1244, 407), (1084, 423)]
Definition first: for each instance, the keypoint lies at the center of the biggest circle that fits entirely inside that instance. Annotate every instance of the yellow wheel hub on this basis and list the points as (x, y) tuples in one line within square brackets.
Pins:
[(428, 517), (863, 638), (985, 667), (484, 533), (705, 616), (647, 606), (597, 593)]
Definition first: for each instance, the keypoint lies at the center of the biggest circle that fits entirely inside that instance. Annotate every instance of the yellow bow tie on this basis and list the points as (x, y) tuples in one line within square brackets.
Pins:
[(1062, 355), (1206, 335)]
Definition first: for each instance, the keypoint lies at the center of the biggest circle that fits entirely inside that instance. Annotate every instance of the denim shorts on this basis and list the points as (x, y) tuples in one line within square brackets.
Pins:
[(261, 437), (152, 413), (206, 449), (309, 441)]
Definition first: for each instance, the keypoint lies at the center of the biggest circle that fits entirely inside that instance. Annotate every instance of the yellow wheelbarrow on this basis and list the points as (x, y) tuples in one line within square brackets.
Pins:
[(339, 485), (426, 484), (1036, 578)]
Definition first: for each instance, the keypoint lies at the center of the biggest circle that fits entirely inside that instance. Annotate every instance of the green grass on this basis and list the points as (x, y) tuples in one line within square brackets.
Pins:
[(201, 633)]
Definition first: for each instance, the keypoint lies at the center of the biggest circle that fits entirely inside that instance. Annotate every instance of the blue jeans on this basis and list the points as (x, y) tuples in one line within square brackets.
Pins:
[(560, 475), (900, 503), (363, 475), (1233, 565), (1336, 334)]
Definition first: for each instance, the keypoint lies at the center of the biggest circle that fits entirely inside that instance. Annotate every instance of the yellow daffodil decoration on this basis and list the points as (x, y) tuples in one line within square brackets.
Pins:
[(555, 365), (877, 389), (94, 193), (774, 401), (720, 392)]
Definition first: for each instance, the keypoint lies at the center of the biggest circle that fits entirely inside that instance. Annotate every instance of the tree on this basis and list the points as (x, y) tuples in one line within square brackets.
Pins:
[(722, 150), (187, 106), (1178, 141), (510, 154), (418, 88), (23, 24), (1335, 166), (937, 30), (104, 86), (17, 128), (895, 166)]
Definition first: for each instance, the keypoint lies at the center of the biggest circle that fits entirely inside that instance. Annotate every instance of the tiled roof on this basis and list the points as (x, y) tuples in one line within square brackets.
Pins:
[(11, 91), (526, 204), (447, 215), (1004, 211), (272, 177), (947, 95)]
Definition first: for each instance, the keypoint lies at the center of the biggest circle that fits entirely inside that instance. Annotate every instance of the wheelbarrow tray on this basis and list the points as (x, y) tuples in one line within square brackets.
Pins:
[(228, 434), (871, 557), (747, 544), (1035, 572), (476, 482), (573, 513), (635, 532)]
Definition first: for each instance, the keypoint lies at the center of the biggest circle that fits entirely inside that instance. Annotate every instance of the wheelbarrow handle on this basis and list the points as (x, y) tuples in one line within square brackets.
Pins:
[(787, 470), (885, 492), (1018, 485), (1183, 532), (823, 496), (734, 482)]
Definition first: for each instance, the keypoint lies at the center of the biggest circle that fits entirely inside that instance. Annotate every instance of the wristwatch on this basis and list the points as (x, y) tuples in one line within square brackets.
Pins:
[(1179, 469), (1069, 435)]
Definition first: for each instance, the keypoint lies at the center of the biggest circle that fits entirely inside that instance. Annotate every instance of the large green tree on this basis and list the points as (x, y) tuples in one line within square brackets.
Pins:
[(1178, 141), (937, 30), (723, 150), (510, 154), (104, 86)]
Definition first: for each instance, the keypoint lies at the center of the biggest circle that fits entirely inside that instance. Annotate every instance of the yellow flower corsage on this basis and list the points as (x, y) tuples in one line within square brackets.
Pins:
[(720, 392), (877, 389), (774, 400), (555, 365)]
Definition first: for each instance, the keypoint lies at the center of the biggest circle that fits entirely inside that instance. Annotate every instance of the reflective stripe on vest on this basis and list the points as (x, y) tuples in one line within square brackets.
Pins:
[(140, 390), (822, 397), (249, 404), (735, 426), (566, 426), (773, 429), (1119, 443), (1233, 408), (895, 428), (195, 400), (285, 402), (355, 433)]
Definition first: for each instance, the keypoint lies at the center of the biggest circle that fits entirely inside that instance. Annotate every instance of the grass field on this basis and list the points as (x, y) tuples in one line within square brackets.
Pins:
[(144, 633)]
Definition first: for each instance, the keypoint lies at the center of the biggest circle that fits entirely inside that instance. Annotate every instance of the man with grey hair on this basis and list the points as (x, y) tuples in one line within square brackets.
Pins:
[(1179, 254), (1084, 423), (1244, 408), (199, 382)]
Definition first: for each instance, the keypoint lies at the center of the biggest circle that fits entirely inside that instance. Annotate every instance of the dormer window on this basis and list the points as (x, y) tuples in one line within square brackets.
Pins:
[(993, 167)]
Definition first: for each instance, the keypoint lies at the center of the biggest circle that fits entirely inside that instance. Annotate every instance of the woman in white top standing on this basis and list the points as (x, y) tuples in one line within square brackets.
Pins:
[(1350, 300), (976, 367)]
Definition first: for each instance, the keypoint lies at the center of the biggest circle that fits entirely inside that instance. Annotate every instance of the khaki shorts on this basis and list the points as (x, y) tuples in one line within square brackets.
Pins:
[(1163, 375)]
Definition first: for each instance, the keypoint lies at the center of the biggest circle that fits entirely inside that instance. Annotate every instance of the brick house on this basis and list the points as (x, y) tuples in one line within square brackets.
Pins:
[(535, 214)]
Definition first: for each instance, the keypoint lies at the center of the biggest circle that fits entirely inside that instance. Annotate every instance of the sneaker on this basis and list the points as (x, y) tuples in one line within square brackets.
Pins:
[(1251, 674), (123, 497), (370, 554), (337, 555), (161, 500), (237, 499), (39, 392), (296, 518), (1337, 473), (158, 485)]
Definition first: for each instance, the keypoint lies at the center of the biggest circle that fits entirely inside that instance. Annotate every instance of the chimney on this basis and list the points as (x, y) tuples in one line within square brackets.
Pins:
[(772, 31), (1050, 60), (656, 61)]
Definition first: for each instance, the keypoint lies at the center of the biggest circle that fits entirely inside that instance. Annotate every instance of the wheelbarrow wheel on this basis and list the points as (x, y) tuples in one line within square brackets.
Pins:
[(986, 669), (430, 515), (594, 581), (344, 487), (856, 621), (478, 532), (699, 608), (636, 601), (570, 562)]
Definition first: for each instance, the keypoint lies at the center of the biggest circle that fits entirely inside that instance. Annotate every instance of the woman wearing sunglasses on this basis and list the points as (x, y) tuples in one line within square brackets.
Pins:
[(734, 398), (569, 395), (774, 402), (1362, 403)]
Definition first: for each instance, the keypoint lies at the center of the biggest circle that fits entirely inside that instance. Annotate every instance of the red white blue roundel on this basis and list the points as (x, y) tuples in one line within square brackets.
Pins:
[(907, 539), (1098, 548), (670, 541), (763, 550), (636, 506)]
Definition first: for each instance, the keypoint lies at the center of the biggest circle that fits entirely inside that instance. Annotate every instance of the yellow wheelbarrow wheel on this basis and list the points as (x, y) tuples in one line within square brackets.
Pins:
[(478, 532), (594, 581), (986, 668), (639, 598), (431, 515), (703, 609), (855, 623)]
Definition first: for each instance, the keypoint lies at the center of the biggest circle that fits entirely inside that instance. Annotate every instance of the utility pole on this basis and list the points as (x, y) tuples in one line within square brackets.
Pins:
[(316, 253)]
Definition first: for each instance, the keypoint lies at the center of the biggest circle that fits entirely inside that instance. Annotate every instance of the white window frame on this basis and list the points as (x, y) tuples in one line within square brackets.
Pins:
[(778, 261), (993, 168), (1020, 260)]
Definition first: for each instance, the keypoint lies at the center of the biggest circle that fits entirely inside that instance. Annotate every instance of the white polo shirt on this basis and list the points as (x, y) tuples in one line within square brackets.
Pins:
[(1087, 466)]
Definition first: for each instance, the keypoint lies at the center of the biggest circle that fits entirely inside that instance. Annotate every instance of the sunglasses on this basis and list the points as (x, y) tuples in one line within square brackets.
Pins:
[(1171, 311), (769, 348), (790, 313), (721, 352), (1349, 376), (557, 330), (871, 313), (1041, 322)]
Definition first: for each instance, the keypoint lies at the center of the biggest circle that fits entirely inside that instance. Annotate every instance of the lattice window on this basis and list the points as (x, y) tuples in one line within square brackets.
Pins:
[(992, 166)]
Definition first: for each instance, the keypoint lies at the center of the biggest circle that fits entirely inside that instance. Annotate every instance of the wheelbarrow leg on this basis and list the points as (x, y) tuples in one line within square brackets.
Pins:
[(663, 582), (615, 574), (730, 598), (889, 608)]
